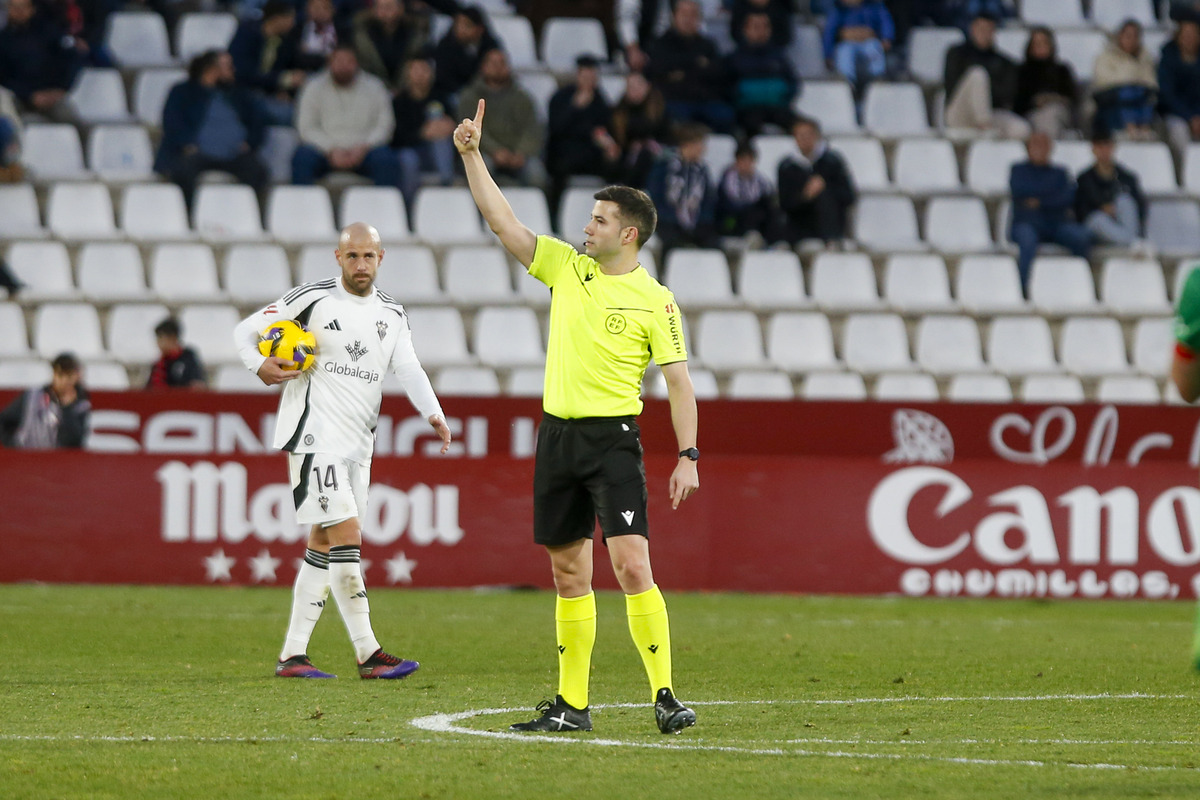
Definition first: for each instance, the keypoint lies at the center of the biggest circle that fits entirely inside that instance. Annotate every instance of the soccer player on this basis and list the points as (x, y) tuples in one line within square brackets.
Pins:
[(326, 423), (608, 316), (1185, 372)]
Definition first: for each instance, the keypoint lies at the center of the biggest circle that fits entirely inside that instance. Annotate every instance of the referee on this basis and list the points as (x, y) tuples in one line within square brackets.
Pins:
[(608, 316)]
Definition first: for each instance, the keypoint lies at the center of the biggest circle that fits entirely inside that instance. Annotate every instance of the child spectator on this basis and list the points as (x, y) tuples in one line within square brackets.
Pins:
[(746, 200), (683, 194)]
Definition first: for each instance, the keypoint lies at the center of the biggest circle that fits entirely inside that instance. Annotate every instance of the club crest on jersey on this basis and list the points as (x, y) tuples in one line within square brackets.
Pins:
[(381, 328), (324, 501), (356, 350)]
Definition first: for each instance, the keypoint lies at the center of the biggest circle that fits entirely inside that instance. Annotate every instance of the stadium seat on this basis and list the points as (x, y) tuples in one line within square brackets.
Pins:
[(278, 147), (1153, 345), (1076, 156), (844, 282), (755, 384), (801, 341), (1093, 346), (1191, 169), (52, 152), (719, 149), (832, 103), (209, 329), (806, 52), (14, 341), (927, 52), (301, 215), (98, 96), (508, 337), (1128, 390), (979, 389), (467, 382), (541, 87), (447, 215), (45, 269), (316, 263), (989, 163), (138, 39), (1052, 389), (1012, 41), (926, 166), (1062, 285), (256, 274), (1109, 15), (895, 110), (566, 38), (526, 382), (23, 374), (988, 284), (67, 328), (381, 206), (185, 273), (866, 161), (227, 212), (958, 225), (196, 33), (1134, 288), (729, 340), (120, 153), (515, 33), (772, 150), (906, 387), (130, 332), (1021, 345), (699, 278), (574, 213), (875, 343), (154, 212), (1058, 14), (1079, 49), (439, 336), (771, 279), (111, 272), (19, 214), (529, 204), (236, 378), (150, 90), (1152, 163), (612, 88), (917, 283), (478, 276), (1173, 226), (949, 344), (887, 223), (81, 211), (409, 274), (834, 386), (704, 382)]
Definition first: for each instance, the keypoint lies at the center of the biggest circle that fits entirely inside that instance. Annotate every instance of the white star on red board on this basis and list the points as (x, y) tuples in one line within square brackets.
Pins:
[(400, 568), (263, 566), (218, 566)]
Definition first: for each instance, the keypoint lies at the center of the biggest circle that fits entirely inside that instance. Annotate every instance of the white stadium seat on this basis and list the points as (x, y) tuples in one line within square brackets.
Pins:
[(120, 153), (1173, 226), (130, 332), (380, 206), (112, 272), (316, 263), (515, 33), (529, 204), (508, 337), (150, 90), (409, 274), (138, 39), (256, 274), (14, 341), (447, 215), (236, 378), (81, 211), (1191, 169), (67, 328), (926, 166), (209, 329), (989, 164), (719, 149), (801, 341), (439, 336), (729, 340), (771, 279), (98, 96), (1062, 285), (1075, 155), (986, 284), (958, 225), (1152, 163), (1078, 49), (906, 387), (301, 215), (865, 159), (844, 282), (1109, 15), (1093, 346), (1021, 345), (830, 102), (927, 52), (185, 273), (478, 276), (53, 152), (1153, 345), (526, 382), (19, 214), (1128, 389), (875, 343), (895, 110), (467, 382), (753, 384), (566, 38), (227, 212), (1134, 287), (917, 282), (541, 87), (834, 386), (1057, 14), (44, 268), (278, 147), (198, 32), (24, 373), (699, 278), (574, 213), (772, 150), (805, 52), (949, 344), (887, 223), (1052, 389), (979, 389), (154, 212)]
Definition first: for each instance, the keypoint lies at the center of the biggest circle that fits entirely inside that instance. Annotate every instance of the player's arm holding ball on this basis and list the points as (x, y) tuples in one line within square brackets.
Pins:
[(270, 369), (1185, 366)]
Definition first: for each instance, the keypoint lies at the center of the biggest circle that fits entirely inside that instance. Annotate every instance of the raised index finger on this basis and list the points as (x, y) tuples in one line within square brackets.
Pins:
[(479, 113)]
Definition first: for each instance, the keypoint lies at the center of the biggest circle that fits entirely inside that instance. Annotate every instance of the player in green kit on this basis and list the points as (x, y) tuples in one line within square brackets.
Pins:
[(1185, 372)]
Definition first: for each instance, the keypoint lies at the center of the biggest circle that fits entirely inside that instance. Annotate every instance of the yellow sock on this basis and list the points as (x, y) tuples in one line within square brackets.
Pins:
[(651, 633), (575, 625)]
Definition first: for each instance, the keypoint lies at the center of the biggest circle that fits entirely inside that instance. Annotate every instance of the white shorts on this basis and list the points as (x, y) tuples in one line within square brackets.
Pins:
[(327, 489)]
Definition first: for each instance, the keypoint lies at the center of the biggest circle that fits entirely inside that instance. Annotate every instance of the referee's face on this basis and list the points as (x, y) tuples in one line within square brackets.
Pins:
[(603, 230), (359, 255)]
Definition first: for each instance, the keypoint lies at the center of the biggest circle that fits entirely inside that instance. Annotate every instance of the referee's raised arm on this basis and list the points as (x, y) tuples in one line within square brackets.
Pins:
[(516, 238)]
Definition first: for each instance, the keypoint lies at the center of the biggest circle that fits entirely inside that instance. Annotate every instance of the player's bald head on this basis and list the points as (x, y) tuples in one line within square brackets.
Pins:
[(360, 234)]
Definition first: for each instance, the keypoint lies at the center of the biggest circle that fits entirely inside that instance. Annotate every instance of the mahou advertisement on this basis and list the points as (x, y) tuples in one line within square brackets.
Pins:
[(856, 498)]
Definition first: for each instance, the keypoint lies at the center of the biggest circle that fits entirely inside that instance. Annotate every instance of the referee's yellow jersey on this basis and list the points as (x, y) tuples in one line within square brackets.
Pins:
[(604, 329)]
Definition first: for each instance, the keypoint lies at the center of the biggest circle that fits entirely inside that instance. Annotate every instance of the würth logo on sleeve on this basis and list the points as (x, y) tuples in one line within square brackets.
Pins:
[(356, 350)]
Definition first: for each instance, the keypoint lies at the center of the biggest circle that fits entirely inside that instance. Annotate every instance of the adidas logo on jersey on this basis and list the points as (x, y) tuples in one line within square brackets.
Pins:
[(334, 326)]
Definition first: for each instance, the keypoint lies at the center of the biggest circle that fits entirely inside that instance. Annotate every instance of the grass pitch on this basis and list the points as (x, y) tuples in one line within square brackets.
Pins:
[(123, 692)]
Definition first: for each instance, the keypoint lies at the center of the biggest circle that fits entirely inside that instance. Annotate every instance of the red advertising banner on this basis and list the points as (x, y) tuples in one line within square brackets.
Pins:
[(924, 500)]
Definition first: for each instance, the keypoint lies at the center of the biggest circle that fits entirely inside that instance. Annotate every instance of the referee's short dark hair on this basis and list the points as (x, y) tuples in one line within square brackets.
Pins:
[(635, 208)]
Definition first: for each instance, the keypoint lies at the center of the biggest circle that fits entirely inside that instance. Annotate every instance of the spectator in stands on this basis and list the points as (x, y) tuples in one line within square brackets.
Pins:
[(683, 193), (317, 36), (578, 138), (86, 21), (1124, 84), (513, 145), (981, 84), (55, 415), (816, 188), (1179, 84), (210, 123), (179, 367), (638, 24), (1043, 195), (779, 14), (639, 126), (1109, 199), (686, 65), (1046, 88), (344, 118), (960, 13), (459, 54), (746, 200), (764, 83), (423, 130), (264, 59), (858, 34), (11, 170), (1180, 10), (386, 38), (38, 60)]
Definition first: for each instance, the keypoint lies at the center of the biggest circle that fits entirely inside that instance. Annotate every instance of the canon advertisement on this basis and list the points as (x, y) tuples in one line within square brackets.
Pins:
[(932, 500)]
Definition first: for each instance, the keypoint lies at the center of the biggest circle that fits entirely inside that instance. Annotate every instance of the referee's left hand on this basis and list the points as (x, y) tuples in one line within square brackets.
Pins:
[(443, 430), (684, 480)]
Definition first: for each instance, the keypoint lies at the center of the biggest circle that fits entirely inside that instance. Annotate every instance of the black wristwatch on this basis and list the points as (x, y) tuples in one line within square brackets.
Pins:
[(691, 453)]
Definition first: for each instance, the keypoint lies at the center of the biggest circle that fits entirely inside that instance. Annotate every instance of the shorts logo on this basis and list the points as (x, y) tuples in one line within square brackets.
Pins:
[(381, 329), (615, 323), (308, 439), (356, 350), (627, 516), (324, 501)]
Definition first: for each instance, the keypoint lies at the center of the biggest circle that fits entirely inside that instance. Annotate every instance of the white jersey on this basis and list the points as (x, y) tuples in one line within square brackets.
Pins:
[(334, 406)]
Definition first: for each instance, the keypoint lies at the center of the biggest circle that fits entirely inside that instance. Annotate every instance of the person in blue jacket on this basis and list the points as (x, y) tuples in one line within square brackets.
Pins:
[(859, 33), (1179, 84)]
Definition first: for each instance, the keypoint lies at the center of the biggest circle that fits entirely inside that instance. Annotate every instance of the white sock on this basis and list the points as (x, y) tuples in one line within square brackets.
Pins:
[(350, 592), (308, 601)]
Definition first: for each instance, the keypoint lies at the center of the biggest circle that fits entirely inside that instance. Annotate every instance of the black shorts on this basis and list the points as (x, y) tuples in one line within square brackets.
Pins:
[(588, 469)]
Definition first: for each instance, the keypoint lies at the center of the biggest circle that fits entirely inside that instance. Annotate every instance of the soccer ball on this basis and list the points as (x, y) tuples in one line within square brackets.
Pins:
[(289, 340)]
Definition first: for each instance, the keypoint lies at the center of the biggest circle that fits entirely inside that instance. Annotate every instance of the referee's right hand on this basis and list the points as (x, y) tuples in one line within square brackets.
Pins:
[(277, 370)]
